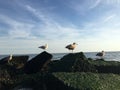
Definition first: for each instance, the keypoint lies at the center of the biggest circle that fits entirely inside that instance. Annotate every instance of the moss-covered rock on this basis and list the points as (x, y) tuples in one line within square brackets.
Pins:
[(74, 56), (72, 62), (103, 66), (72, 72), (90, 81), (83, 66), (40, 81)]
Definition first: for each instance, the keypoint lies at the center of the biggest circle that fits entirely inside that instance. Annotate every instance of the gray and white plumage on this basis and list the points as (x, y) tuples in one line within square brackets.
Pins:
[(10, 58), (44, 46), (101, 54), (71, 46)]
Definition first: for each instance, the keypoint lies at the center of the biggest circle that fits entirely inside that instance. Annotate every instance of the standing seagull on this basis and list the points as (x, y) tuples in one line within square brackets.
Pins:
[(44, 46), (101, 54), (71, 46), (6, 59), (10, 58)]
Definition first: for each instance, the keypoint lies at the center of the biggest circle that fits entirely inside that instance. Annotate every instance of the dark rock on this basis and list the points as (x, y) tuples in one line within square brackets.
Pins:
[(54, 83), (38, 63), (100, 59), (83, 66), (12, 67), (69, 62), (108, 69), (7, 72), (18, 61), (74, 56), (4, 60), (90, 59), (41, 81), (28, 85), (2, 86)]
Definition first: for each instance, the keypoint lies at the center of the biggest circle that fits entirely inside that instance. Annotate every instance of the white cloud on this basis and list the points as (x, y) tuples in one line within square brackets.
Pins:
[(104, 29), (84, 6), (95, 4), (19, 34), (110, 17), (17, 29), (51, 29)]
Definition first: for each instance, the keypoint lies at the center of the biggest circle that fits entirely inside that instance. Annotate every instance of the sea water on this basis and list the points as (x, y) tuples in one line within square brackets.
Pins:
[(109, 56)]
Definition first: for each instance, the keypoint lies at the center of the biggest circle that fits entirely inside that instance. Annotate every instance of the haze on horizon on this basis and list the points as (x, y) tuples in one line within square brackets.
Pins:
[(26, 24)]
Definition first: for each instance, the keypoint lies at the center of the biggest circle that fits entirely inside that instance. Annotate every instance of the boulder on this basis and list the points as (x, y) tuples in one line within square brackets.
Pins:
[(38, 63), (73, 62), (4, 60), (81, 65), (74, 56), (2, 86), (66, 63), (28, 85), (18, 61), (6, 70)]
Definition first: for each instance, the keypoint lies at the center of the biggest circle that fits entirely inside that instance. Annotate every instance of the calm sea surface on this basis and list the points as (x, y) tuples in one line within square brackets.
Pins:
[(109, 56)]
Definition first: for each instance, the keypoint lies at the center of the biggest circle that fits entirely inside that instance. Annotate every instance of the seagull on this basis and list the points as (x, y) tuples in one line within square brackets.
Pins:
[(44, 46), (71, 46), (101, 54), (10, 58)]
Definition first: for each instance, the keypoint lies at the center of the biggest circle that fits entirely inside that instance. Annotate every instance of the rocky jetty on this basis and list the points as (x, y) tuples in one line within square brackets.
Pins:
[(72, 72)]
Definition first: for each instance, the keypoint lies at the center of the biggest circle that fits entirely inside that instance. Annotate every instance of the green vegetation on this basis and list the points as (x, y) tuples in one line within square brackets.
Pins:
[(90, 81), (103, 66), (102, 62), (81, 65), (37, 81), (65, 81)]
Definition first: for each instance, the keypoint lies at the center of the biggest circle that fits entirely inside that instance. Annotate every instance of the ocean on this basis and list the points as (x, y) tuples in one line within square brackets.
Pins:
[(109, 56)]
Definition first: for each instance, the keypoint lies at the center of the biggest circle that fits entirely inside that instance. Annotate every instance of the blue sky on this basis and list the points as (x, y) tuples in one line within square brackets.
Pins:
[(26, 24)]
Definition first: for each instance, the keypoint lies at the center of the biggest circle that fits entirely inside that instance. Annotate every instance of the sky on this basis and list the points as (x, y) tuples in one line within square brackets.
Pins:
[(27, 24)]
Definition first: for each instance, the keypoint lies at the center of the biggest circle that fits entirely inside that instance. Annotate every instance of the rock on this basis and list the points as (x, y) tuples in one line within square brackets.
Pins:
[(4, 60), (38, 63), (83, 66), (74, 56), (72, 62), (18, 61), (3, 86), (11, 67), (7, 72), (66, 63), (29, 85)]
